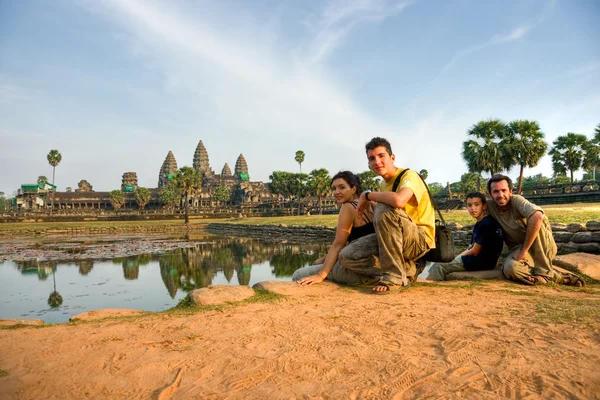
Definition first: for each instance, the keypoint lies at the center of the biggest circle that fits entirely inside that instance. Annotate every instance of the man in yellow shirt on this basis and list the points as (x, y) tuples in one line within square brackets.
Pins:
[(404, 224)]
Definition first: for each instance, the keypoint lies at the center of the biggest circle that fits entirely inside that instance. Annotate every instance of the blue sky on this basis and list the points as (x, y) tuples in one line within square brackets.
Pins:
[(114, 85)]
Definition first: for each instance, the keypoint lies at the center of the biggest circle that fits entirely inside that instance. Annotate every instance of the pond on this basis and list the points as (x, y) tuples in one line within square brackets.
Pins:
[(54, 279)]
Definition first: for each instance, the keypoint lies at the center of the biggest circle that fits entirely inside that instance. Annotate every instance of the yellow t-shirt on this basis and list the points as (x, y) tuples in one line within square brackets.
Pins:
[(419, 207)]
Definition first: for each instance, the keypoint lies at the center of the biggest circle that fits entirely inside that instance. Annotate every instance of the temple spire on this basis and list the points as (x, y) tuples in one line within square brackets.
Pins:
[(168, 169)]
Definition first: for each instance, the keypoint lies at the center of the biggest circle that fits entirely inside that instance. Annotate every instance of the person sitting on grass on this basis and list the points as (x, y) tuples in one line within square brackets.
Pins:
[(486, 243), (346, 188)]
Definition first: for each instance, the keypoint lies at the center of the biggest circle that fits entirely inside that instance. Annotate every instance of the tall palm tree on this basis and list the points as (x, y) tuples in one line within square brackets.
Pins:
[(567, 153), (299, 158), (54, 158), (525, 145), (424, 174), (42, 179), (486, 152), (591, 157), (187, 181), (318, 183)]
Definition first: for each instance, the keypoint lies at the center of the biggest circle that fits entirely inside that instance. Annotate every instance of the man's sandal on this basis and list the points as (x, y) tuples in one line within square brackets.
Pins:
[(572, 280), (391, 287), (539, 280)]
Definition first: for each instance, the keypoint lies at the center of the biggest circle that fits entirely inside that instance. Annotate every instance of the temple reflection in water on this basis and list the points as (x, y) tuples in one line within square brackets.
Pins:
[(186, 269)]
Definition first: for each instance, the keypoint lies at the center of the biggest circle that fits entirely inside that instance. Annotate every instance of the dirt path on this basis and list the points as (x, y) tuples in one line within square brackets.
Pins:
[(454, 340)]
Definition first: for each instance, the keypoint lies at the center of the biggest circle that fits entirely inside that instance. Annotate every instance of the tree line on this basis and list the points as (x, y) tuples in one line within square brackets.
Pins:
[(495, 146)]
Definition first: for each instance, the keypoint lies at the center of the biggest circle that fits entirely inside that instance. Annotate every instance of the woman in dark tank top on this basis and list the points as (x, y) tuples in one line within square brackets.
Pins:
[(346, 189)]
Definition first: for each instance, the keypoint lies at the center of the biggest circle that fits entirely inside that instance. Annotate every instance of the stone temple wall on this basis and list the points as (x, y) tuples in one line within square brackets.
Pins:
[(569, 238)]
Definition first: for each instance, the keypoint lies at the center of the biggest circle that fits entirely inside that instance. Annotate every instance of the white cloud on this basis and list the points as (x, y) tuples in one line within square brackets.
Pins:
[(253, 90), (340, 17)]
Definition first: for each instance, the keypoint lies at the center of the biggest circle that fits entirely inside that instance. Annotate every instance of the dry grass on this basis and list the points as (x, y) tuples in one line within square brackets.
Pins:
[(564, 213)]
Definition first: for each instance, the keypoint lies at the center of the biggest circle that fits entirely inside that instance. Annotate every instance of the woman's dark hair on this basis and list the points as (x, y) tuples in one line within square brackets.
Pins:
[(350, 178)]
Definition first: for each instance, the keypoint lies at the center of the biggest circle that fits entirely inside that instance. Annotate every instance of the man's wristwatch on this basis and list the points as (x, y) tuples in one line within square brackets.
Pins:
[(367, 194)]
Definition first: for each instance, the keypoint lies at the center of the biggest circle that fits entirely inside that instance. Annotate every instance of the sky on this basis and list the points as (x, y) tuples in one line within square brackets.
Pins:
[(115, 84)]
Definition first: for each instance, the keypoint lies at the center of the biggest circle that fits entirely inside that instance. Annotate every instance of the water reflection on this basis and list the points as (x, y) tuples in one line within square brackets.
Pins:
[(196, 267), (55, 300), (138, 281)]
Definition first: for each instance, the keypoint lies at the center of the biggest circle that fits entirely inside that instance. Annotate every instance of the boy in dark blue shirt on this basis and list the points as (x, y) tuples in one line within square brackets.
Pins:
[(486, 243)]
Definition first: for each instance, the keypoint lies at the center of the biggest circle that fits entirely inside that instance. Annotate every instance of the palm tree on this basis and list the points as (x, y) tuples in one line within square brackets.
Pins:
[(525, 145), (567, 153), (69, 189), (299, 158), (424, 174), (168, 196), (490, 154), (142, 196), (222, 194), (369, 180), (42, 179), (54, 158), (318, 183), (187, 181), (117, 199), (591, 157), (55, 300)]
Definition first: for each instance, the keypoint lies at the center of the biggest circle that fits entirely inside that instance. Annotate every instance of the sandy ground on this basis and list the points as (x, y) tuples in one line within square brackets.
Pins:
[(453, 340)]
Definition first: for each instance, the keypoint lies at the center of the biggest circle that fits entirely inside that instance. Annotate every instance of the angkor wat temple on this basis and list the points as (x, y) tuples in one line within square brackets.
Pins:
[(241, 189)]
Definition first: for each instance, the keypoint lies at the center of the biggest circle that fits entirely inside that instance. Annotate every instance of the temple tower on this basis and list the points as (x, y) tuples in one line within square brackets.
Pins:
[(226, 171), (129, 182), (84, 186), (241, 168), (201, 163), (168, 169)]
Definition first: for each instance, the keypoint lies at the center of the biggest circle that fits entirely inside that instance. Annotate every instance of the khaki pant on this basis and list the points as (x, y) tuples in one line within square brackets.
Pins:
[(538, 259), (439, 271), (391, 251)]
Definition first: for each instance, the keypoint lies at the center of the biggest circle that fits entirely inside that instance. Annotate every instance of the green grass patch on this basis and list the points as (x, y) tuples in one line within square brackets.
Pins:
[(263, 296), (24, 326), (561, 310), (187, 306), (470, 284)]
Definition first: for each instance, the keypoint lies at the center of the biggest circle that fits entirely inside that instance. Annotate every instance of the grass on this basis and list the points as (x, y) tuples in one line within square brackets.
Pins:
[(554, 304), (563, 213), (561, 310)]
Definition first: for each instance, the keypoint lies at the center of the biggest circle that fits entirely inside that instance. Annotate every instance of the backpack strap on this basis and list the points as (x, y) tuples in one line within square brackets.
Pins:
[(397, 181), (435, 207)]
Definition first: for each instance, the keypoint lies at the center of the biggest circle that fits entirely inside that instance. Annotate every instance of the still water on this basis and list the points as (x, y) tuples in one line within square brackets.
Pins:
[(56, 290)]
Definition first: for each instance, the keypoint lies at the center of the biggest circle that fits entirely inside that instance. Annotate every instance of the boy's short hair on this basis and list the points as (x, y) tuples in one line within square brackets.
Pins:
[(377, 142), (477, 195), (499, 178)]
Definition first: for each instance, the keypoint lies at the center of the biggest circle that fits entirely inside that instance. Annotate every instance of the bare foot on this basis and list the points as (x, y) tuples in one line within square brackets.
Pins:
[(381, 288)]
